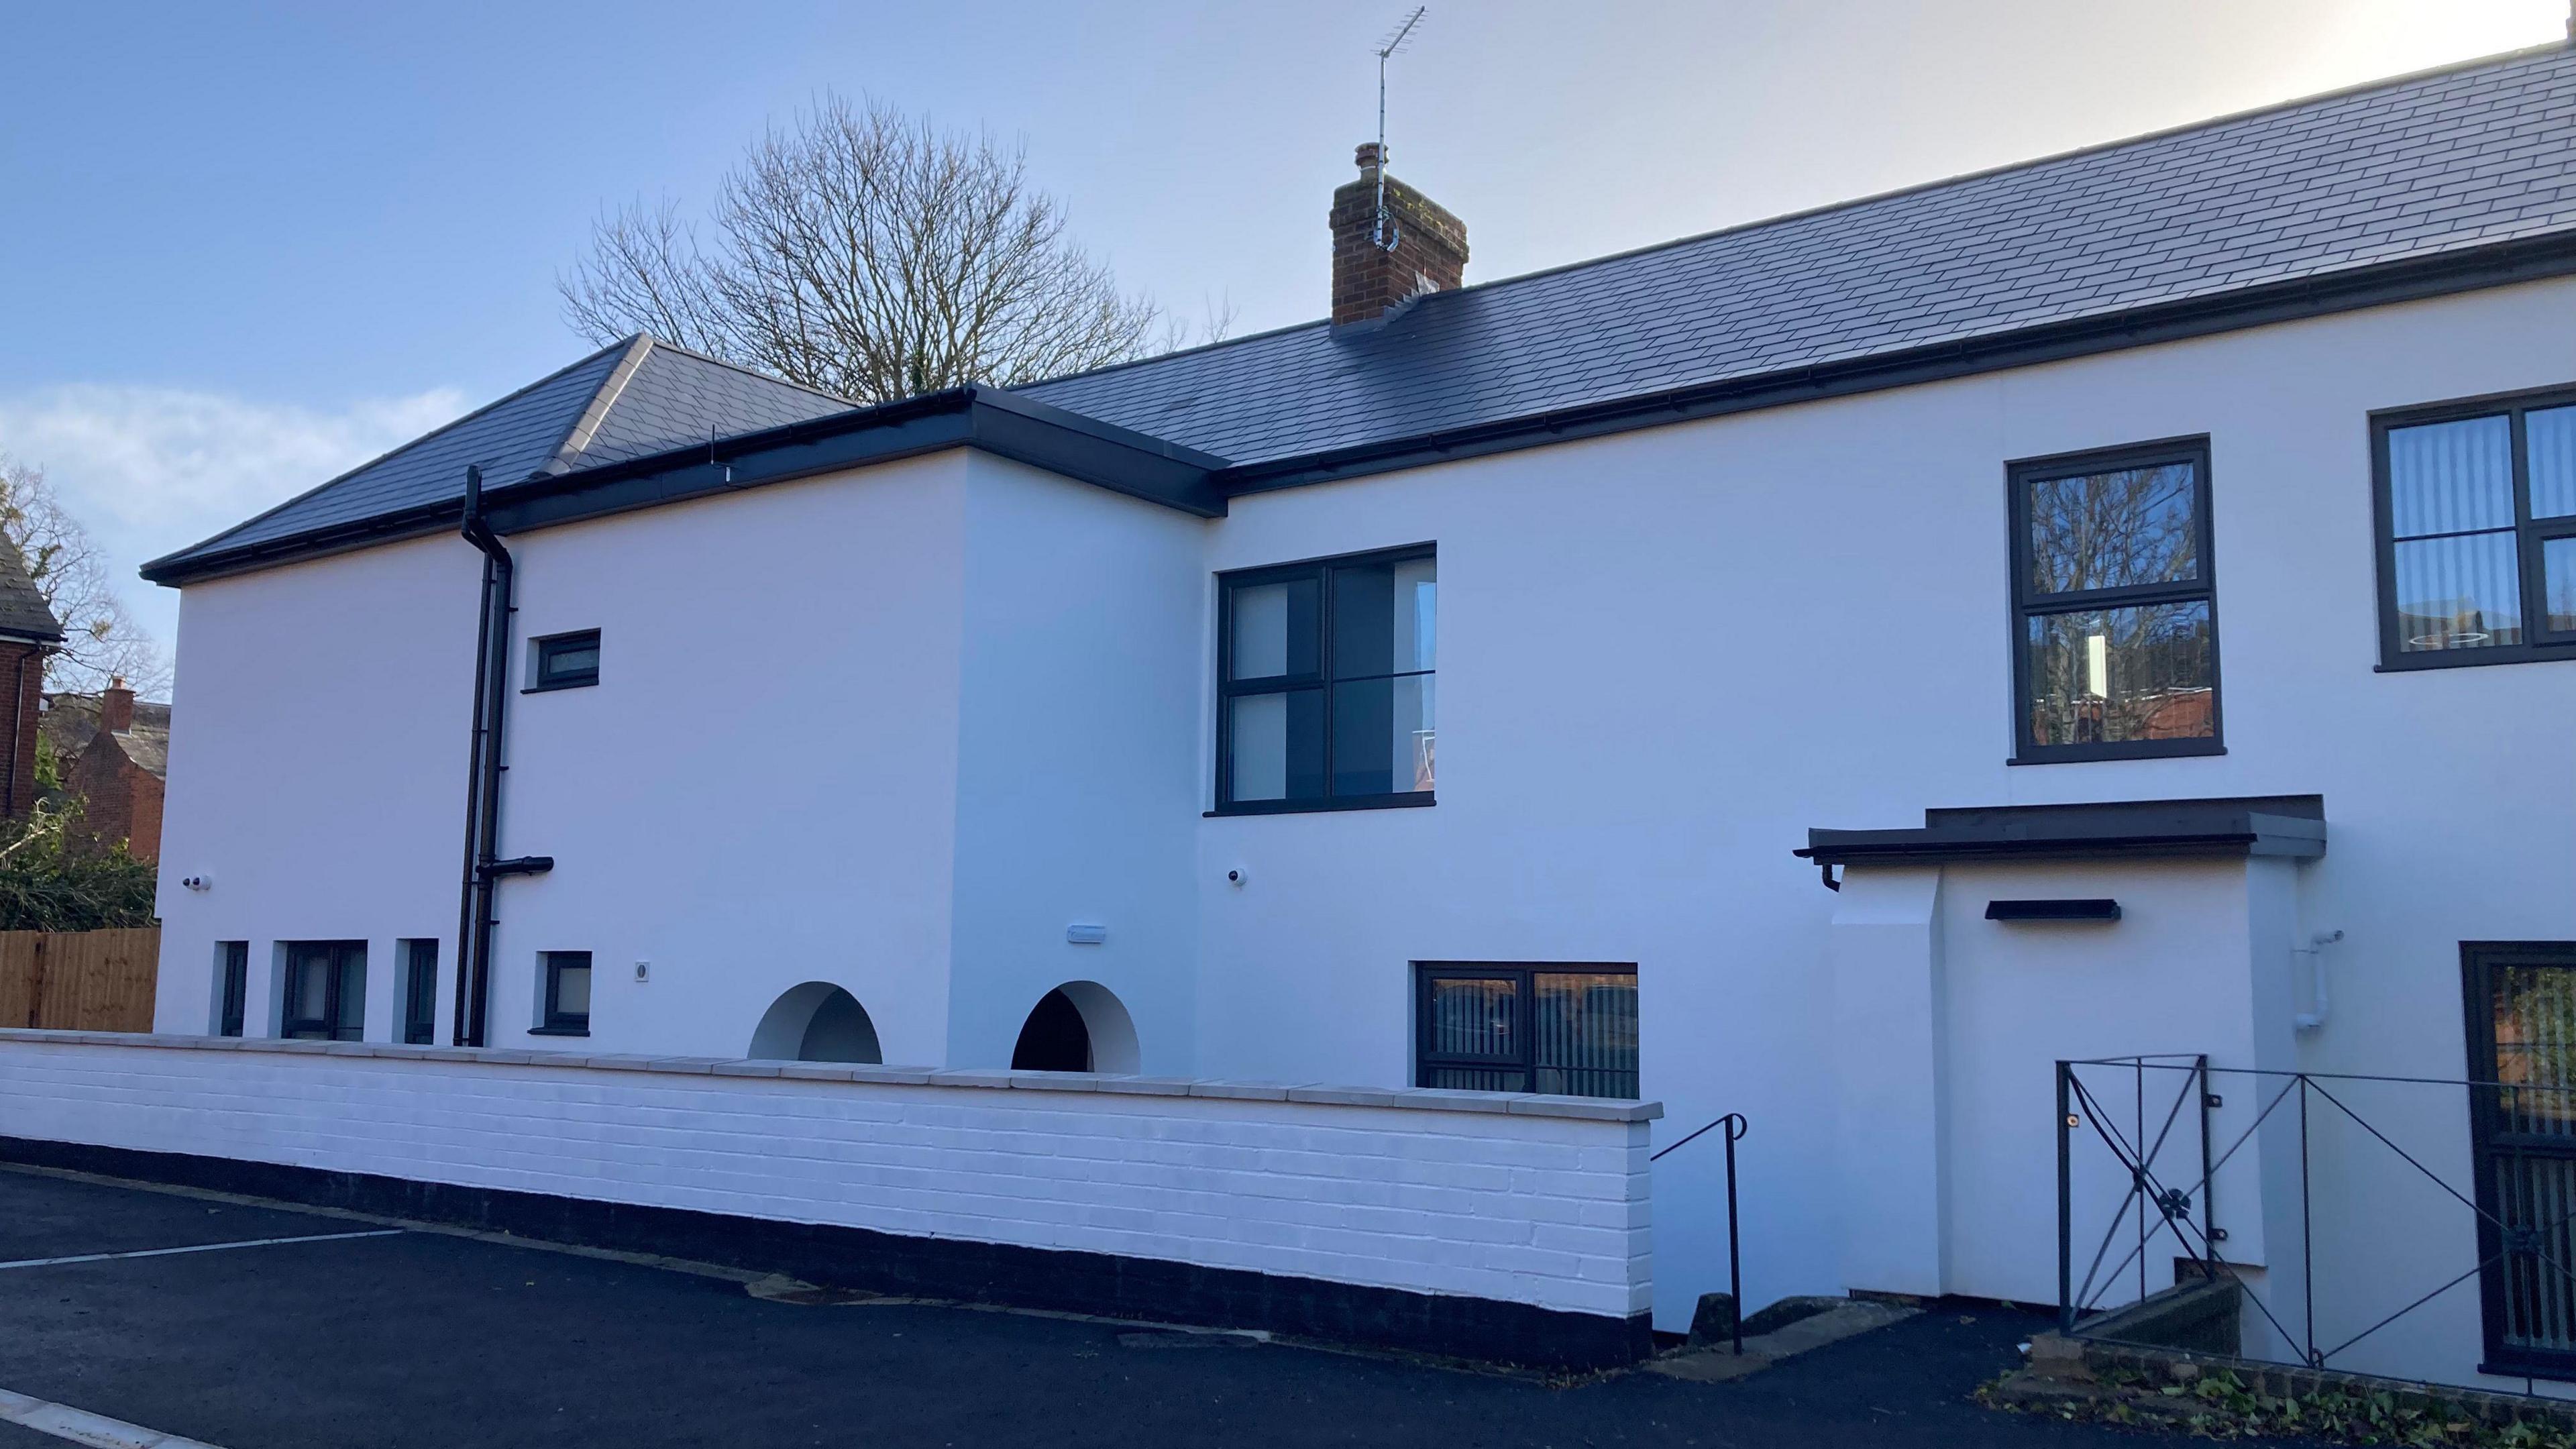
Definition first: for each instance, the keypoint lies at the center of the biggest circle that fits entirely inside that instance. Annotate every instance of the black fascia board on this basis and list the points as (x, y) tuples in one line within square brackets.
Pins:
[(2283, 826), (972, 417), (2407, 280)]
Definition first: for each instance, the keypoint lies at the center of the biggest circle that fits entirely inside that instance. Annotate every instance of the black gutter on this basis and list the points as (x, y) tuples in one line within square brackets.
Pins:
[(992, 421), (483, 867), (2291, 826)]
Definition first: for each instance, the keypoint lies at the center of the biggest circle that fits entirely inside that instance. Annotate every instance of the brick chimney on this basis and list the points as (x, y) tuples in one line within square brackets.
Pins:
[(1370, 280), (116, 708)]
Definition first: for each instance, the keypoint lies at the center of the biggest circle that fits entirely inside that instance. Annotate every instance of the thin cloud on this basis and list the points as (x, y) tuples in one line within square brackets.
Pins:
[(152, 469)]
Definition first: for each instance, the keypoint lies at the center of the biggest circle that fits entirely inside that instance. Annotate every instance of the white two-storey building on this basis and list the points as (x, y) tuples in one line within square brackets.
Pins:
[(2140, 584)]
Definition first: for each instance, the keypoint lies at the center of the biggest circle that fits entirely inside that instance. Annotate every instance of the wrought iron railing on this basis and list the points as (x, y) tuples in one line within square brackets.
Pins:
[(2381, 1159), (1736, 1127)]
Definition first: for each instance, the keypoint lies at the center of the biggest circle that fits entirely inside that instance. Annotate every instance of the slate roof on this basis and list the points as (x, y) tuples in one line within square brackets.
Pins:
[(2313, 199), (70, 722), (23, 611), (2452, 159), (629, 399)]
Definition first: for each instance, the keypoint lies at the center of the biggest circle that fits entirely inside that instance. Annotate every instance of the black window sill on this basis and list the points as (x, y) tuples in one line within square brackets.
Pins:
[(1406, 801), (558, 1031), (2556, 1373), (2473, 658), (2136, 750), (566, 684)]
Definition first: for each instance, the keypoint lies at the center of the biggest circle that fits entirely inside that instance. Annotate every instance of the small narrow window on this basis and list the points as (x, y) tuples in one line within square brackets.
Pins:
[(1564, 1030), (2477, 532), (1327, 684), (565, 661), (420, 992), (567, 1003), (2115, 647), (326, 991), (232, 986)]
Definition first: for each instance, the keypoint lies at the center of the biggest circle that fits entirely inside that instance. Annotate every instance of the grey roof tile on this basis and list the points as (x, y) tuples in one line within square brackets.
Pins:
[(23, 611), (627, 400), (2476, 154)]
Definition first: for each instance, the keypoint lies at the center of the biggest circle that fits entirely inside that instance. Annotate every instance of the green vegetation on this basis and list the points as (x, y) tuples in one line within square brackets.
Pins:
[(2219, 1405), (53, 878)]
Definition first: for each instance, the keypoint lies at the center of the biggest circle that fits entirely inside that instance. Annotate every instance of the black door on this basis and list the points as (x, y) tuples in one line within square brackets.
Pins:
[(2521, 999)]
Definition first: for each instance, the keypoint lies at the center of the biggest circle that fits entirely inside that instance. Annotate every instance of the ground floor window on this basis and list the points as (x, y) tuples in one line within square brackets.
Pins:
[(326, 991), (420, 992), (1564, 1029), (2522, 1051), (567, 1003), (232, 985)]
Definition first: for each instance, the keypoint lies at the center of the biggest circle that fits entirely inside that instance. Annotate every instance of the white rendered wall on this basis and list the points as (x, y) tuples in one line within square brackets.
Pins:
[(1542, 1207), (761, 789), (317, 771), (1666, 654), (1075, 797)]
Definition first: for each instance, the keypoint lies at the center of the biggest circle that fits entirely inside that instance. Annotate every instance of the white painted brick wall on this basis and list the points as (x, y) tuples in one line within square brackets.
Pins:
[(1530, 1200)]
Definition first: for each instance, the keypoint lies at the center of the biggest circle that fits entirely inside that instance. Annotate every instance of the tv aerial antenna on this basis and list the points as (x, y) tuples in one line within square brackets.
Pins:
[(1388, 233)]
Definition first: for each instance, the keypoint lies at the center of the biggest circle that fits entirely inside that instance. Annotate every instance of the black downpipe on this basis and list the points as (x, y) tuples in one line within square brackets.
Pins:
[(483, 793)]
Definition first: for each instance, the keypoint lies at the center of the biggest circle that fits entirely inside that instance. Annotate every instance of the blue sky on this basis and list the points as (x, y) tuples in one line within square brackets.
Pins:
[(248, 246)]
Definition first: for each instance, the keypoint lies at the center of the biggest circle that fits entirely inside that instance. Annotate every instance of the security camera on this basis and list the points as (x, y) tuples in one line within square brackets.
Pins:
[(1234, 877), (198, 883)]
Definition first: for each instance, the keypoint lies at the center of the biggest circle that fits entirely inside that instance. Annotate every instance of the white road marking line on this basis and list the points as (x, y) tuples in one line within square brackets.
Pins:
[(197, 1248), (83, 1427)]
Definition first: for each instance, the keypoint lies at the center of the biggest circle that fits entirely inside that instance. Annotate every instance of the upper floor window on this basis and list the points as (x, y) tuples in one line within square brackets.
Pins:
[(2115, 616), (1325, 695), (565, 661), (2477, 532)]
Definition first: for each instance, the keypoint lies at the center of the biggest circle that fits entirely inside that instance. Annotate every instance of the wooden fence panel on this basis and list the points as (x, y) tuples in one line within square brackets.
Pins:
[(79, 980)]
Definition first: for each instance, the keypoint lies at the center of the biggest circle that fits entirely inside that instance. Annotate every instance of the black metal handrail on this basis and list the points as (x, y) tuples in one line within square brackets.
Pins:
[(1736, 1127), (2170, 1207)]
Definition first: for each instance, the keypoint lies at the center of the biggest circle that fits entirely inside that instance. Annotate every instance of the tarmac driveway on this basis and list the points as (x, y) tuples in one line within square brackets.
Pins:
[(277, 1329)]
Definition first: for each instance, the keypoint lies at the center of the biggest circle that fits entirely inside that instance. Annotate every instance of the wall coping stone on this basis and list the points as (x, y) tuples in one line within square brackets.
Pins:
[(1413, 1099)]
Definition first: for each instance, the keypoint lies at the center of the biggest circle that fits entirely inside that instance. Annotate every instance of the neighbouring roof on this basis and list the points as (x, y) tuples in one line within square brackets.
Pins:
[(70, 722), (2464, 157), (2427, 184), (633, 398), (2283, 825), (24, 613)]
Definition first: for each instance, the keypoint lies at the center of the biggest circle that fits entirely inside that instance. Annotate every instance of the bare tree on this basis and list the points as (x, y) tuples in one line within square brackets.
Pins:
[(868, 255), (101, 641)]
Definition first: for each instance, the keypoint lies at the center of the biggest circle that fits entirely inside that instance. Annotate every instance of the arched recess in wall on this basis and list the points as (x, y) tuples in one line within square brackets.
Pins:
[(1080, 1026), (816, 1022)]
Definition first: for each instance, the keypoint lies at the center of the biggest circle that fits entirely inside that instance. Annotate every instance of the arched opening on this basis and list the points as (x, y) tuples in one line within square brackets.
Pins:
[(1080, 1026), (816, 1022)]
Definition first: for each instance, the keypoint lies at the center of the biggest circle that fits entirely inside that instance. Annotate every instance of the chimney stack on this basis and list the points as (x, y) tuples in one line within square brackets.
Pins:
[(116, 708), (1423, 248)]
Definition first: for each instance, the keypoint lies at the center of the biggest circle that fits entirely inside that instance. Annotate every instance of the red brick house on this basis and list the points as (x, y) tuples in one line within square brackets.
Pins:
[(112, 753), (28, 632)]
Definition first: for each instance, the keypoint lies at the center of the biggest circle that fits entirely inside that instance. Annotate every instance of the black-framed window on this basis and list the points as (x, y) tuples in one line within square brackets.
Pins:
[(420, 992), (232, 986), (1326, 683), (325, 994), (1564, 1029), (567, 994), (2115, 612), (2477, 531), (2521, 999), (564, 661)]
